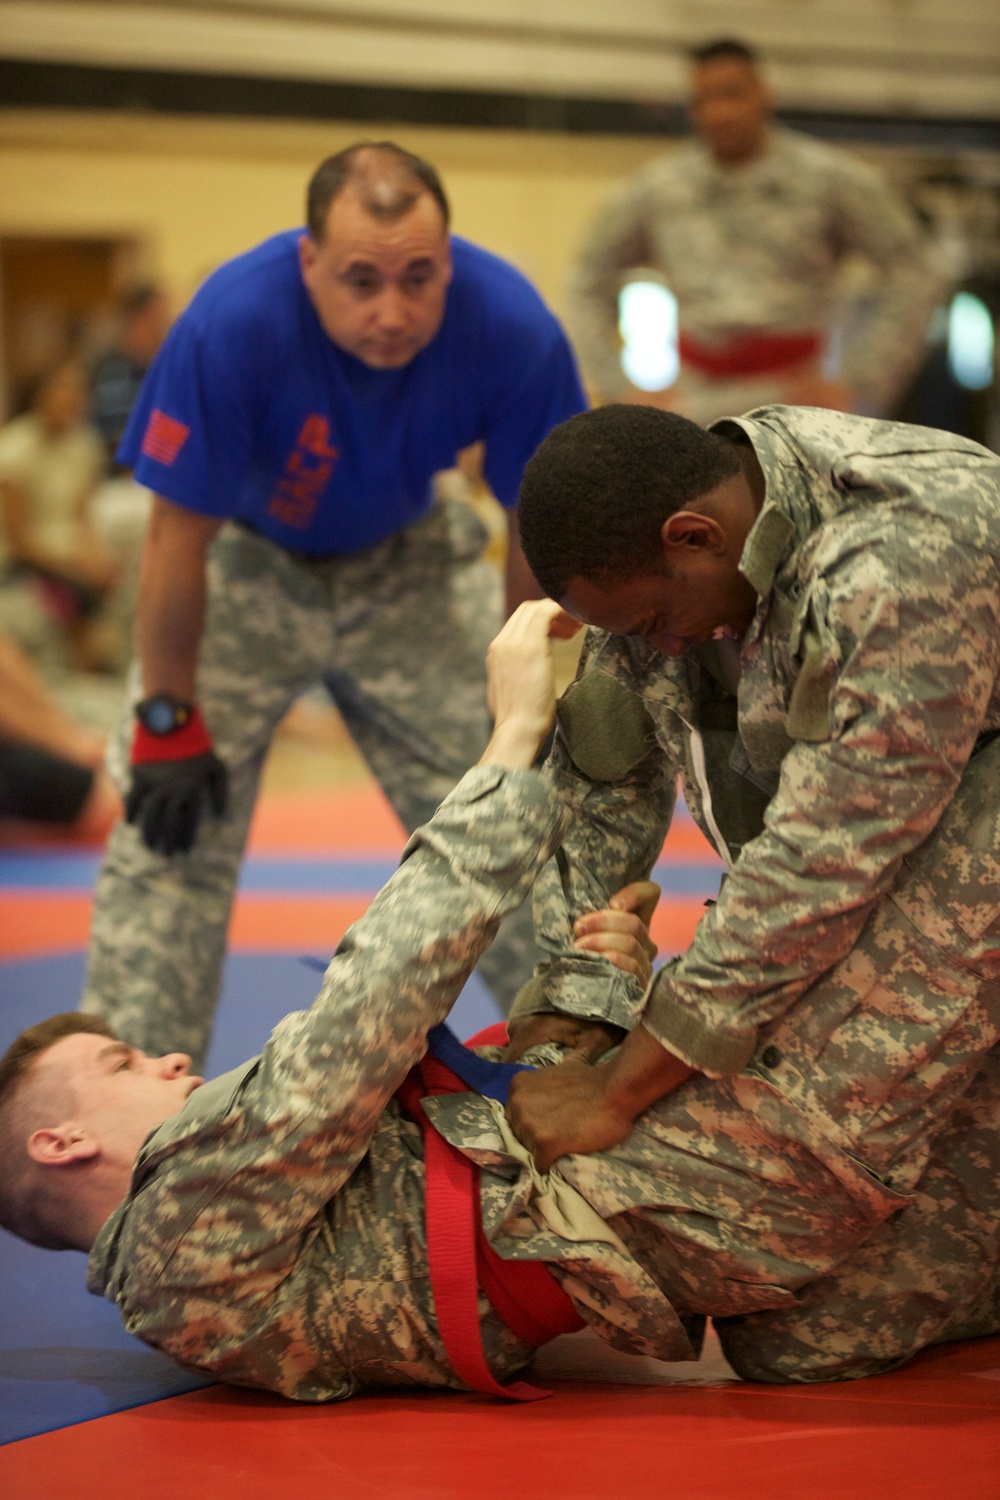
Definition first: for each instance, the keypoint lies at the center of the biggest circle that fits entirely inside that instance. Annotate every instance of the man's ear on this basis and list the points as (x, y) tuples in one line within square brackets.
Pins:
[(307, 256), (690, 530), (62, 1145)]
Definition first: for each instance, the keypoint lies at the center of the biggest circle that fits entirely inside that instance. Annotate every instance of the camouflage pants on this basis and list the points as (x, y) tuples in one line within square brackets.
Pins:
[(399, 634), (837, 1204), (928, 1275)]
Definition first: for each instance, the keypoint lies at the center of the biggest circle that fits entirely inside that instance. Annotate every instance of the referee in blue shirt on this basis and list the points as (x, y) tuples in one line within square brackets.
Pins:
[(290, 429)]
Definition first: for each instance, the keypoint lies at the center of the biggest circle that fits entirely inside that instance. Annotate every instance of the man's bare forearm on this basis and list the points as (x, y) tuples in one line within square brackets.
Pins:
[(642, 1072), (172, 593)]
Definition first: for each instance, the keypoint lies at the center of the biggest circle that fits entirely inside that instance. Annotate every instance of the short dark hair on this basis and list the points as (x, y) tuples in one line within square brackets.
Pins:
[(388, 180), (22, 1052), (597, 492), (726, 46)]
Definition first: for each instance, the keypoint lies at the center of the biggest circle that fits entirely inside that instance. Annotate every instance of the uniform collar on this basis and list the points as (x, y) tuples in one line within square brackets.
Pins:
[(769, 160), (212, 1101), (786, 510), (101, 1260)]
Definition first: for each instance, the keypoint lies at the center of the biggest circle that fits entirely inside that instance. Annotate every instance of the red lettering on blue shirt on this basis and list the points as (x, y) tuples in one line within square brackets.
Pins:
[(297, 493)]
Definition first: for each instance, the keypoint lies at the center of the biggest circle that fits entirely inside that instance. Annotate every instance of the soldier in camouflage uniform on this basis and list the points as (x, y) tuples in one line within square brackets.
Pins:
[(290, 429), (841, 757), (271, 1230), (749, 225)]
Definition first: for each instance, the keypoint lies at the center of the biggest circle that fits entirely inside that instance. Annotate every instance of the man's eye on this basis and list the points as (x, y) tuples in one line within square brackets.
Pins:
[(417, 280)]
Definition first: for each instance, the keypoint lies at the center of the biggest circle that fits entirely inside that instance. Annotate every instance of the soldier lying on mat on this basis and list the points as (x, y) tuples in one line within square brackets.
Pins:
[(270, 1228)]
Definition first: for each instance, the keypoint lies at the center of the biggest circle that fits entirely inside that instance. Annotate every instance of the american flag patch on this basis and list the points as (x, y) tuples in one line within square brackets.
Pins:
[(165, 437)]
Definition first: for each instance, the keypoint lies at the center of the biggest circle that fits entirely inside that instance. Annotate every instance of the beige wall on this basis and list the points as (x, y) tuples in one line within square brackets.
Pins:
[(910, 57), (195, 192)]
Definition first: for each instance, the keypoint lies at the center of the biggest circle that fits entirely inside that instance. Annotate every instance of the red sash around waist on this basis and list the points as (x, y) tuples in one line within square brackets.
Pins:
[(750, 354), (523, 1293)]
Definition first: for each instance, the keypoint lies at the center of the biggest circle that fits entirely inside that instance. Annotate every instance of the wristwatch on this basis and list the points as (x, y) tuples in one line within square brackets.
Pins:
[(162, 713)]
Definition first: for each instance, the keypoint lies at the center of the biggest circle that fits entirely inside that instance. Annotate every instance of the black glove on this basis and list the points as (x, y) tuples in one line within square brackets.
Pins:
[(168, 797)]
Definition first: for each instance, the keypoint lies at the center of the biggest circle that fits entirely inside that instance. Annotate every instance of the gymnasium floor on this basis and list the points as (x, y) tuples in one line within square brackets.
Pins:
[(87, 1412)]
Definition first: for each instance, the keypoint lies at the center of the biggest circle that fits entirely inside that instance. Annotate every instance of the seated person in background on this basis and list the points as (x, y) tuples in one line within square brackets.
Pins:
[(52, 773), (271, 1229), (144, 317), (50, 463)]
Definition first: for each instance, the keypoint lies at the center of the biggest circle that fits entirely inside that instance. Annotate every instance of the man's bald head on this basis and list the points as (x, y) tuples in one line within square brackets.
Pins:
[(386, 180), (376, 262)]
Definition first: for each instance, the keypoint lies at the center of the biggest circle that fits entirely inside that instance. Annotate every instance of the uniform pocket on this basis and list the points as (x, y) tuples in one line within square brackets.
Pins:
[(606, 728), (809, 713)]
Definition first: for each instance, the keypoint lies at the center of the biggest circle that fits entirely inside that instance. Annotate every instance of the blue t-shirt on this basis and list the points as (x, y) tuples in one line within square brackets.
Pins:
[(250, 411)]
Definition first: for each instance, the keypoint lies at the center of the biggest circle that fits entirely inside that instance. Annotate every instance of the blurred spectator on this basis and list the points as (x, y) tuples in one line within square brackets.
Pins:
[(51, 771), (50, 463), (144, 317), (749, 225)]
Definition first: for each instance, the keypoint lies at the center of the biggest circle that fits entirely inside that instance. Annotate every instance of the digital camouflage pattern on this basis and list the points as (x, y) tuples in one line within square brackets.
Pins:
[(399, 632), (273, 1234), (846, 985), (757, 250), (929, 1275)]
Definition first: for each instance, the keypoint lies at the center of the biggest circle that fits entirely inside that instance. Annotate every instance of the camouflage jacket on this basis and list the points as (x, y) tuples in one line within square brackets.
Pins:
[(273, 1233), (871, 668), (759, 248)]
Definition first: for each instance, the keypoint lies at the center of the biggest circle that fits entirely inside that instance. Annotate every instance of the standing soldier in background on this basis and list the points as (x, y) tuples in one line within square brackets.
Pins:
[(290, 429), (749, 225)]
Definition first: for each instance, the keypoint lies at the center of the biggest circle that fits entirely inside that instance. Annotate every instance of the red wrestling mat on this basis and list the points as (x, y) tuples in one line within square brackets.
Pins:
[(276, 924), (352, 820), (920, 1434), (39, 923), (36, 924)]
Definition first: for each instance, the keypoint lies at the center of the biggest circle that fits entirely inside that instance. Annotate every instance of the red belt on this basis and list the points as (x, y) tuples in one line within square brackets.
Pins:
[(752, 354), (523, 1293)]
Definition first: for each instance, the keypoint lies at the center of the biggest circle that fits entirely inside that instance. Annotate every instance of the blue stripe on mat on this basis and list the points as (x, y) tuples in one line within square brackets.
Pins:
[(31, 870), (77, 872)]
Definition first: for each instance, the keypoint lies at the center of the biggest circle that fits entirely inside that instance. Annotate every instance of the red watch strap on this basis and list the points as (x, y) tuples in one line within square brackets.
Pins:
[(192, 738)]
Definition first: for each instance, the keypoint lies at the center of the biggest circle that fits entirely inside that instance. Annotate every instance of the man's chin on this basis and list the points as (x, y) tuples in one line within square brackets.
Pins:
[(388, 359)]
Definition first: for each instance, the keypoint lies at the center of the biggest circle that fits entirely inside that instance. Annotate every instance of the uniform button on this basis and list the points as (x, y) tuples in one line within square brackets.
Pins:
[(770, 1057)]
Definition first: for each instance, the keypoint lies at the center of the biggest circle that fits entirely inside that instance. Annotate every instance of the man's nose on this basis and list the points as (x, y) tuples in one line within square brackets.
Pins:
[(392, 308), (173, 1064)]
